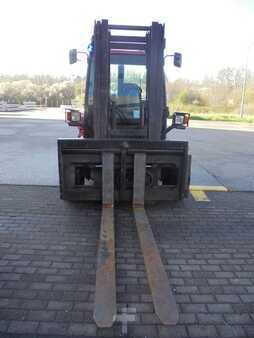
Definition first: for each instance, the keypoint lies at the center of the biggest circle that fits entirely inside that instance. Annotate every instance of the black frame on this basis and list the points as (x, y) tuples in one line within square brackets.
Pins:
[(78, 152)]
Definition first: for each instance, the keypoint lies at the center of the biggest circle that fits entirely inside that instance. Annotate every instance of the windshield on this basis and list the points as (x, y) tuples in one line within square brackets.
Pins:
[(127, 88)]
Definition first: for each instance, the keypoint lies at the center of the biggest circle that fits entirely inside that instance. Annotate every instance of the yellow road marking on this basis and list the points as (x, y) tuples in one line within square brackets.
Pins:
[(211, 188), (199, 196)]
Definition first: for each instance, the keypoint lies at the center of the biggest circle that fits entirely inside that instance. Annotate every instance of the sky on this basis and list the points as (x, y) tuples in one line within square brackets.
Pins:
[(36, 35)]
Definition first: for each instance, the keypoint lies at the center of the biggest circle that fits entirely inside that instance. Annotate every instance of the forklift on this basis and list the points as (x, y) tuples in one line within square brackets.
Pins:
[(122, 153)]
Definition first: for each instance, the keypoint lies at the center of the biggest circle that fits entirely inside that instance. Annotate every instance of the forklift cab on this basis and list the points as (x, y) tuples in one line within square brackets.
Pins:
[(127, 90)]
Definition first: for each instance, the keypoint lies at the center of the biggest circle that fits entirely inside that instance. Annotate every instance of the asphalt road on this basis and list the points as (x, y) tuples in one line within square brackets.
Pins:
[(223, 154), (220, 156), (28, 147)]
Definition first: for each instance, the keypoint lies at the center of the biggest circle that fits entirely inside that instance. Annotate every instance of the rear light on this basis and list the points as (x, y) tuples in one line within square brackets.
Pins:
[(186, 119), (72, 117), (68, 116)]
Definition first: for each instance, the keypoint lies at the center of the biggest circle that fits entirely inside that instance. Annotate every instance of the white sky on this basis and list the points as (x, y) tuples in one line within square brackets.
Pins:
[(35, 35)]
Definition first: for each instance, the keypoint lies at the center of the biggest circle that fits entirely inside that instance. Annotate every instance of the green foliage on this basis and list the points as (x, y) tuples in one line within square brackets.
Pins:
[(43, 89), (221, 117), (221, 94), (191, 97)]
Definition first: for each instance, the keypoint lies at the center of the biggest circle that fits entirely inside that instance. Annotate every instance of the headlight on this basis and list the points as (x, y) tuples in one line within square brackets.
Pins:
[(72, 116), (180, 120)]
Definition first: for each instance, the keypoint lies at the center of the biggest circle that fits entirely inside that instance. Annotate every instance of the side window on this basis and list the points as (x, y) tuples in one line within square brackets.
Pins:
[(90, 83), (113, 81)]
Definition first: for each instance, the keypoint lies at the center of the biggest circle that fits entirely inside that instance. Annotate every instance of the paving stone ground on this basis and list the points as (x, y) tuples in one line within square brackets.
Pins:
[(48, 258)]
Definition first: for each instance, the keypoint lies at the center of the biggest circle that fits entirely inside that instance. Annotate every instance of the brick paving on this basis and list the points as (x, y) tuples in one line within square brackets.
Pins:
[(48, 258)]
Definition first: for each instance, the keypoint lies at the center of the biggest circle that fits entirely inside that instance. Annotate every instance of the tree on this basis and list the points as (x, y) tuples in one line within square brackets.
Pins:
[(191, 97)]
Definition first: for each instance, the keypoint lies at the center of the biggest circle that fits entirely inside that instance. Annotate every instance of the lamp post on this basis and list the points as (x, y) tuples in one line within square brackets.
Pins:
[(245, 80)]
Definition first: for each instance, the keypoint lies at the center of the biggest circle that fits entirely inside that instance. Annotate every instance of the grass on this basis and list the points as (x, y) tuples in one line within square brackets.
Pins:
[(221, 117), (216, 113)]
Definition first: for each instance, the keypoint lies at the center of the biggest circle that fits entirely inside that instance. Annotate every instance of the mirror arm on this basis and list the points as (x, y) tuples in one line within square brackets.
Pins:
[(168, 55), (87, 55), (168, 129)]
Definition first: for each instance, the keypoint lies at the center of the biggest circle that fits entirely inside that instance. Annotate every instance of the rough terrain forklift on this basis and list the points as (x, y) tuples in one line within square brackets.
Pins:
[(123, 154)]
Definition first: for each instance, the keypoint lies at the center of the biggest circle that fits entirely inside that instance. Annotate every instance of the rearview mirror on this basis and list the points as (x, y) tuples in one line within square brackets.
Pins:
[(178, 60), (73, 56)]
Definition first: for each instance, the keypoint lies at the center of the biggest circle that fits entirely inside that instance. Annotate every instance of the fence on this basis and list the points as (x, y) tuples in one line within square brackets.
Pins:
[(9, 107)]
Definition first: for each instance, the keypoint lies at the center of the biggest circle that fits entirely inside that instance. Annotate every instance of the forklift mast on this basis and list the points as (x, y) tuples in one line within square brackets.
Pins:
[(119, 105)]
